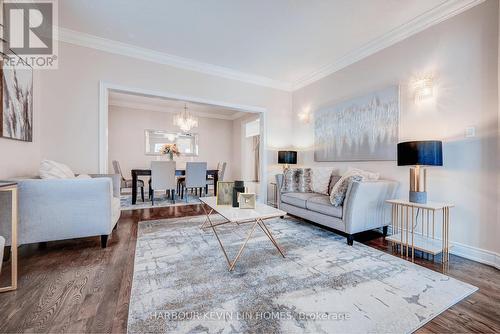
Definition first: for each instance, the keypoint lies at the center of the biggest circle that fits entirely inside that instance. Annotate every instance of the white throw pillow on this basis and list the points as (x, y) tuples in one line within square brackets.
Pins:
[(54, 170), (321, 179), (370, 176), (83, 176)]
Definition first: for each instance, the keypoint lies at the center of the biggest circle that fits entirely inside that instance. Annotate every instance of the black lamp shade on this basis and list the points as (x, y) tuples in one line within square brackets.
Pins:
[(420, 153), (287, 157)]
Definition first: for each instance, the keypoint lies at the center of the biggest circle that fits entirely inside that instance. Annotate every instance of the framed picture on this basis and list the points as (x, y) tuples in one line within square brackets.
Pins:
[(16, 101), (364, 128), (225, 193), (246, 200)]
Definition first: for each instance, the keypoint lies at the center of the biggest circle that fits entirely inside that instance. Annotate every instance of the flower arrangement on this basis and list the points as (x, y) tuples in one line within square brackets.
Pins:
[(170, 150)]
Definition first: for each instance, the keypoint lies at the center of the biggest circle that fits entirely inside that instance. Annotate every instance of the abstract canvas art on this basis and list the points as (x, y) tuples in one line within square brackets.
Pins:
[(360, 129), (16, 117)]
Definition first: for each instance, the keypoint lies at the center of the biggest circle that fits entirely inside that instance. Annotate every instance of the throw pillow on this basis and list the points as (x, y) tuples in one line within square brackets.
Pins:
[(321, 179), (296, 180), (334, 178), (366, 174), (54, 170), (304, 180), (289, 184), (339, 190), (83, 176)]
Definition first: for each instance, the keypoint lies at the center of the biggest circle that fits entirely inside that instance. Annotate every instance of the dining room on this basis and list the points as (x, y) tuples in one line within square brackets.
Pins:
[(178, 139)]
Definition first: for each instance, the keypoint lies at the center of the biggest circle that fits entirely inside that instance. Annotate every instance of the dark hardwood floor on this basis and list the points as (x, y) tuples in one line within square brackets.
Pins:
[(75, 286)]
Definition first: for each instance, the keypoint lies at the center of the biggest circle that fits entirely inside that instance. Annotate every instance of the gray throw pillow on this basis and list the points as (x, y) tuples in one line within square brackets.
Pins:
[(289, 184), (339, 191), (297, 180), (304, 180), (334, 178)]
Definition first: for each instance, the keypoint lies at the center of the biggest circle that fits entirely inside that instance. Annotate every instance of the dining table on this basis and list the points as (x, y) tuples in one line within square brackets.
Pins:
[(213, 173)]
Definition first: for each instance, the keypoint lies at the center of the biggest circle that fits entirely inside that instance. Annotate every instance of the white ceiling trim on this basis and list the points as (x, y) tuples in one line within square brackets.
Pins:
[(414, 26), (129, 50), (150, 107)]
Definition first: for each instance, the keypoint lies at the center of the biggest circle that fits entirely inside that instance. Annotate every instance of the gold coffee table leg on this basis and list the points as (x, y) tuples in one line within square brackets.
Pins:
[(270, 236)]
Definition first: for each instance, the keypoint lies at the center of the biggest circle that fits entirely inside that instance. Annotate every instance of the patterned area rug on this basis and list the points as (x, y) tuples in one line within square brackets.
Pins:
[(182, 284), (161, 200)]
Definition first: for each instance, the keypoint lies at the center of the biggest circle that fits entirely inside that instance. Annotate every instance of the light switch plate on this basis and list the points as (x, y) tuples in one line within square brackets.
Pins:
[(470, 132)]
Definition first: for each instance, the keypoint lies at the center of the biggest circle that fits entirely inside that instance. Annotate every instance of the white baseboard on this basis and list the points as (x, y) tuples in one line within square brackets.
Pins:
[(476, 254)]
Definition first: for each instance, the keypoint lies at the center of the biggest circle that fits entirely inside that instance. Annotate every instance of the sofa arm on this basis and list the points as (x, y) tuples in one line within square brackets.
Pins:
[(365, 207), (115, 178), (279, 183)]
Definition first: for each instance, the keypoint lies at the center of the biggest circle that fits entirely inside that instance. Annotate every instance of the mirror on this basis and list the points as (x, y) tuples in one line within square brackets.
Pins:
[(187, 143)]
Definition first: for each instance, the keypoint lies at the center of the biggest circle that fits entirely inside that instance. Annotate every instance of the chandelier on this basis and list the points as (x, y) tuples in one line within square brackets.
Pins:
[(185, 121)]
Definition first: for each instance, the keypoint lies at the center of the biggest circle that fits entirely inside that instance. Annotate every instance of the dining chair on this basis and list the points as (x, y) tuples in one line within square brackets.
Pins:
[(221, 170), (127, 183), (196, 178), (163, 178)]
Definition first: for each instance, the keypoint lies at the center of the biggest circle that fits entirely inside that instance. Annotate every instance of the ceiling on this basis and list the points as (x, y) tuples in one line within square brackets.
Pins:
[(136, 101), (286, 41)]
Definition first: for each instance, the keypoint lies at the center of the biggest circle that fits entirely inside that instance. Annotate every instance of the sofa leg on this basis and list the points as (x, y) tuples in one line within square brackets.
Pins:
[(104, 241), (384, 230), (350, 239), (42, 245), (6, 253)]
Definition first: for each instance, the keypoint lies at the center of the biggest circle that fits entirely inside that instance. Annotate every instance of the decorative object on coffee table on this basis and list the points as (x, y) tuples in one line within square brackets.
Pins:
[(12, 188), (225, 193), (419, 153), (247, 200), (287, 158), (239, 187)]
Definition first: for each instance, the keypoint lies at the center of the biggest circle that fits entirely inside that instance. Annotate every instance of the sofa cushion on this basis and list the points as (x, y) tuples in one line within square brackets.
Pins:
[(297, 199), (322, 205), (54, 170)]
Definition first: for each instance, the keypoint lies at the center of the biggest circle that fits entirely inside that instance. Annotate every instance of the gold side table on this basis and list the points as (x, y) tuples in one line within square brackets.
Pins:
[(12, 188), (414, 227)]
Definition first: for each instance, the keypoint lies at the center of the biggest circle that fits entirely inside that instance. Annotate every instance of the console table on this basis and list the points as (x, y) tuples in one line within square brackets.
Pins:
[(414, 226), (12, 188)]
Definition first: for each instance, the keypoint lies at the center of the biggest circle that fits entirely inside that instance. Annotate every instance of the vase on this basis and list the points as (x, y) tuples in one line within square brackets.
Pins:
[(239, 187)]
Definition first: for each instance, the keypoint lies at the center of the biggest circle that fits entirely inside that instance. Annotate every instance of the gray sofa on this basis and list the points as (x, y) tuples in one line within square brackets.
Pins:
[(58, 209), (364, 207)]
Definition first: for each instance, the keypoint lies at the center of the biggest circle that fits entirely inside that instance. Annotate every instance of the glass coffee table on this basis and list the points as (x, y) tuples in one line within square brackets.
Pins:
[(239, 216)]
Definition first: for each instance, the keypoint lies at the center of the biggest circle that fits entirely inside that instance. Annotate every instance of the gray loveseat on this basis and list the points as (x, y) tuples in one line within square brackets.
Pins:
[(364, 207), (59, 209)]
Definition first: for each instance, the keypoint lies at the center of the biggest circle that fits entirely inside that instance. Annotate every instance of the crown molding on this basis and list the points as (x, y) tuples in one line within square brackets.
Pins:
[(129, 50), (149, 107), (432, 17)]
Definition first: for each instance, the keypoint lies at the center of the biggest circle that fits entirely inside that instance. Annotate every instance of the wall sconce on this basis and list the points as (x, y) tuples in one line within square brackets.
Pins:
[(305, 116), (423, 88)]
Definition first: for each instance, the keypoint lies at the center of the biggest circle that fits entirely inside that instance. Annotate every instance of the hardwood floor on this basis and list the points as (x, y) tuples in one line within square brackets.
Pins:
[(76, 286)]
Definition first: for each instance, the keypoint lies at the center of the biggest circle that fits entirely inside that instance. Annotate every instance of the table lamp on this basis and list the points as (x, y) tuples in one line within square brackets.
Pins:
[(418, 154), (287, 158)]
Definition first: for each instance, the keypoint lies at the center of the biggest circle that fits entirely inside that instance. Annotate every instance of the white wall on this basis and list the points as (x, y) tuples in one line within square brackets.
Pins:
[(239, 146), (463, 54), (126, 138)]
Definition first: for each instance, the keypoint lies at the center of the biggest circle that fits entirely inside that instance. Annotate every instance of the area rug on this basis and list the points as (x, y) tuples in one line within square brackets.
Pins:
[(161, 200), (182, 284)]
